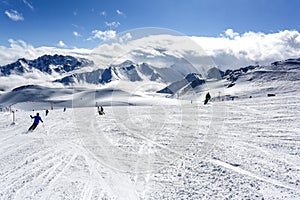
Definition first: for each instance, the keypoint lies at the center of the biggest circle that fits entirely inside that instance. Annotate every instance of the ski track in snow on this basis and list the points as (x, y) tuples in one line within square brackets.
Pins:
[(80, 155), (244, 172)]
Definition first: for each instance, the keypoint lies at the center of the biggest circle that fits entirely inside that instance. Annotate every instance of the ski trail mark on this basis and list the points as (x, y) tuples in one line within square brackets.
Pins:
[(87, 191), (65, 168), (247, 173)]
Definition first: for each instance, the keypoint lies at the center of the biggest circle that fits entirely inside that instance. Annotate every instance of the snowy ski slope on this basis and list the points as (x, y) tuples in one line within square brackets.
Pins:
[(248, 148)]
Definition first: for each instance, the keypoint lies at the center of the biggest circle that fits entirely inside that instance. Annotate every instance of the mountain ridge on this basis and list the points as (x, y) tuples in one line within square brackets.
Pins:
[(46, 63), (171, 82)]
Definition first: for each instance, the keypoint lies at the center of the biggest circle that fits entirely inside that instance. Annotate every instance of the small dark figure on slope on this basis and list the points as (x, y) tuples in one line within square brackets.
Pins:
[(101, 110), (207, 98)]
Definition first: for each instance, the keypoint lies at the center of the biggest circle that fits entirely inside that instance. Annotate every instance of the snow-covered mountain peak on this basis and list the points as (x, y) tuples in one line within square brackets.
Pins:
[(292, 61), (46, 64), (123, 64), (191, 80), (193, 76), (130, 71)]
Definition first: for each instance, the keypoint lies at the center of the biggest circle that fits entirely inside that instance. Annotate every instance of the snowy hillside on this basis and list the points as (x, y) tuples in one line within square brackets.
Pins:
[(163, 149), (149, 146), (288, 70), (279, 77), (241, 83)]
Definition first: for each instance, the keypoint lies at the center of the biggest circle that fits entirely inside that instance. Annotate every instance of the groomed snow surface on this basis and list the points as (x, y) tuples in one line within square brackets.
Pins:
[(243, 149)]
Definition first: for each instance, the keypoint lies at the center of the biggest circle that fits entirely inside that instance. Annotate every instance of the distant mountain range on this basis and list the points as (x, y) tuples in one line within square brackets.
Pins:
[(127, 71), (48, 64), (287, 70), (68, 67), (71, 71)]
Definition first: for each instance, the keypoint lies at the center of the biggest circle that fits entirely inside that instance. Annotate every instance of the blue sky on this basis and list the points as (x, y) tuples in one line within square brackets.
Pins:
[(234, 33), (75, 23)]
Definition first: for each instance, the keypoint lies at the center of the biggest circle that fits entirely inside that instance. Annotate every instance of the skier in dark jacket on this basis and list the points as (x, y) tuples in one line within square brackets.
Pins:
[(207, 98), (101, 110), (36, 121)]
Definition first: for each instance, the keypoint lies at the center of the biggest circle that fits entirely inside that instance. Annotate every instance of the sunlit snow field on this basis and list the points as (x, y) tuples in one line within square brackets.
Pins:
[(248, 148)]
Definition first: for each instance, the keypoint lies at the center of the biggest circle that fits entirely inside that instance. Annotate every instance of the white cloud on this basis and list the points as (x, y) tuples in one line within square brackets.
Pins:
[(119, 12), (103, 13), (76, 34), (61, 44), (236, 50), (158, 50), (112, 24), (231, 34), (14, 15), (103, 35), (28, 4), (231, 50), (38, 78), (125, 38)]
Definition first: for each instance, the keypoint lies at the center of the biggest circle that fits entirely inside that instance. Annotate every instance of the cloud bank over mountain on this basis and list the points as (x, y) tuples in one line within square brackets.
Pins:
[(229, 50), (234, 50)]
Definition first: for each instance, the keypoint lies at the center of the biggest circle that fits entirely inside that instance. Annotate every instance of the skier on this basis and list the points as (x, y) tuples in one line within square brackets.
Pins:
[(207, 98), (47, 111), (36, 121), (101, 110)]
